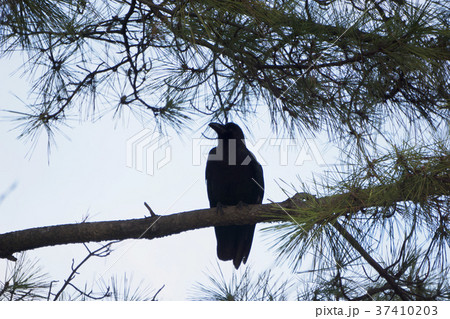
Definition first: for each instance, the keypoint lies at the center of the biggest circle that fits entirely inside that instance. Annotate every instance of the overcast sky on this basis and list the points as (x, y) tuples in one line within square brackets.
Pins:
[(93, 171)]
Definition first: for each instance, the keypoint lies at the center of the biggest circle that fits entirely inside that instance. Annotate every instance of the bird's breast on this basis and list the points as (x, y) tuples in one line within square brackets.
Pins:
[(231, 184)]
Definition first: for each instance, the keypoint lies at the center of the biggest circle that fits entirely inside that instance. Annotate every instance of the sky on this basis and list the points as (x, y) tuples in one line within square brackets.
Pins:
[(100, 169)]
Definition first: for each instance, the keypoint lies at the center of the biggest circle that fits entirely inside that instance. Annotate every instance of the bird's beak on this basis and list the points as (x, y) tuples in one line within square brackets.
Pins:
[(219, 128)]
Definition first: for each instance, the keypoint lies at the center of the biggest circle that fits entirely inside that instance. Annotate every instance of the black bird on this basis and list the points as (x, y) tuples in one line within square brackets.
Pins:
[(233, 177)]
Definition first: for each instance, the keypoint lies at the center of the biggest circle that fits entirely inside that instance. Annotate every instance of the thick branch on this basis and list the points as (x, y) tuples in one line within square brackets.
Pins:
[(149, 227), (161, 226)]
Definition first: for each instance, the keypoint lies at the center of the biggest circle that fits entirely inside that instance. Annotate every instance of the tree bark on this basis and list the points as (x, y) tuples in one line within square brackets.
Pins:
[(155, 226), (328, 209)]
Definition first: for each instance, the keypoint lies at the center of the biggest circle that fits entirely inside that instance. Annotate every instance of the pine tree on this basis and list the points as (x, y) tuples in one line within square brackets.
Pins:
[(369, 73)]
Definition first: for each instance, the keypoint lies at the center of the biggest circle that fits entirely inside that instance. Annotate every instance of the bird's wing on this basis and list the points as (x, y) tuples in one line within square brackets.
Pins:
[(209, 163), (258, 177), (209, 185)]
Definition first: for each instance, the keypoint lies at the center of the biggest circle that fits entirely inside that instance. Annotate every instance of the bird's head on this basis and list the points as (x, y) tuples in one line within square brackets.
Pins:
[(228, 131)]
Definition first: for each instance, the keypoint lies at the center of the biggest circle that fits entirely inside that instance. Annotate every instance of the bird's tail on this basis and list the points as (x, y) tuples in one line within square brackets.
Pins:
[(234, 243)]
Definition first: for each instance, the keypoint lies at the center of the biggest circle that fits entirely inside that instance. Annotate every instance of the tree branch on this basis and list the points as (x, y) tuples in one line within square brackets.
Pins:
[(148, 227), (103, 251), (157, 226), (381, 271)]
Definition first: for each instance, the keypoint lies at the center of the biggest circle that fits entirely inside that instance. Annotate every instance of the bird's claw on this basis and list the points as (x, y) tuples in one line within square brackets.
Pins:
[(220, 208), (241, 204)]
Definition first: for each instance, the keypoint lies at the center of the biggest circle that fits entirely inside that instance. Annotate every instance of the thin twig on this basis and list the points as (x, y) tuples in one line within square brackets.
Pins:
[(100, 252)]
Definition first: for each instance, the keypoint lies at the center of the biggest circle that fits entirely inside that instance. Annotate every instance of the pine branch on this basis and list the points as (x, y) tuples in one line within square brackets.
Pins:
[(149, 227), (329, 65), (158, 226), (381, 271)]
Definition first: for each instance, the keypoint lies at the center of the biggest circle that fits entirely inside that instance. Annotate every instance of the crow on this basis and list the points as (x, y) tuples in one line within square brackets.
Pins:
[(233, 177)]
